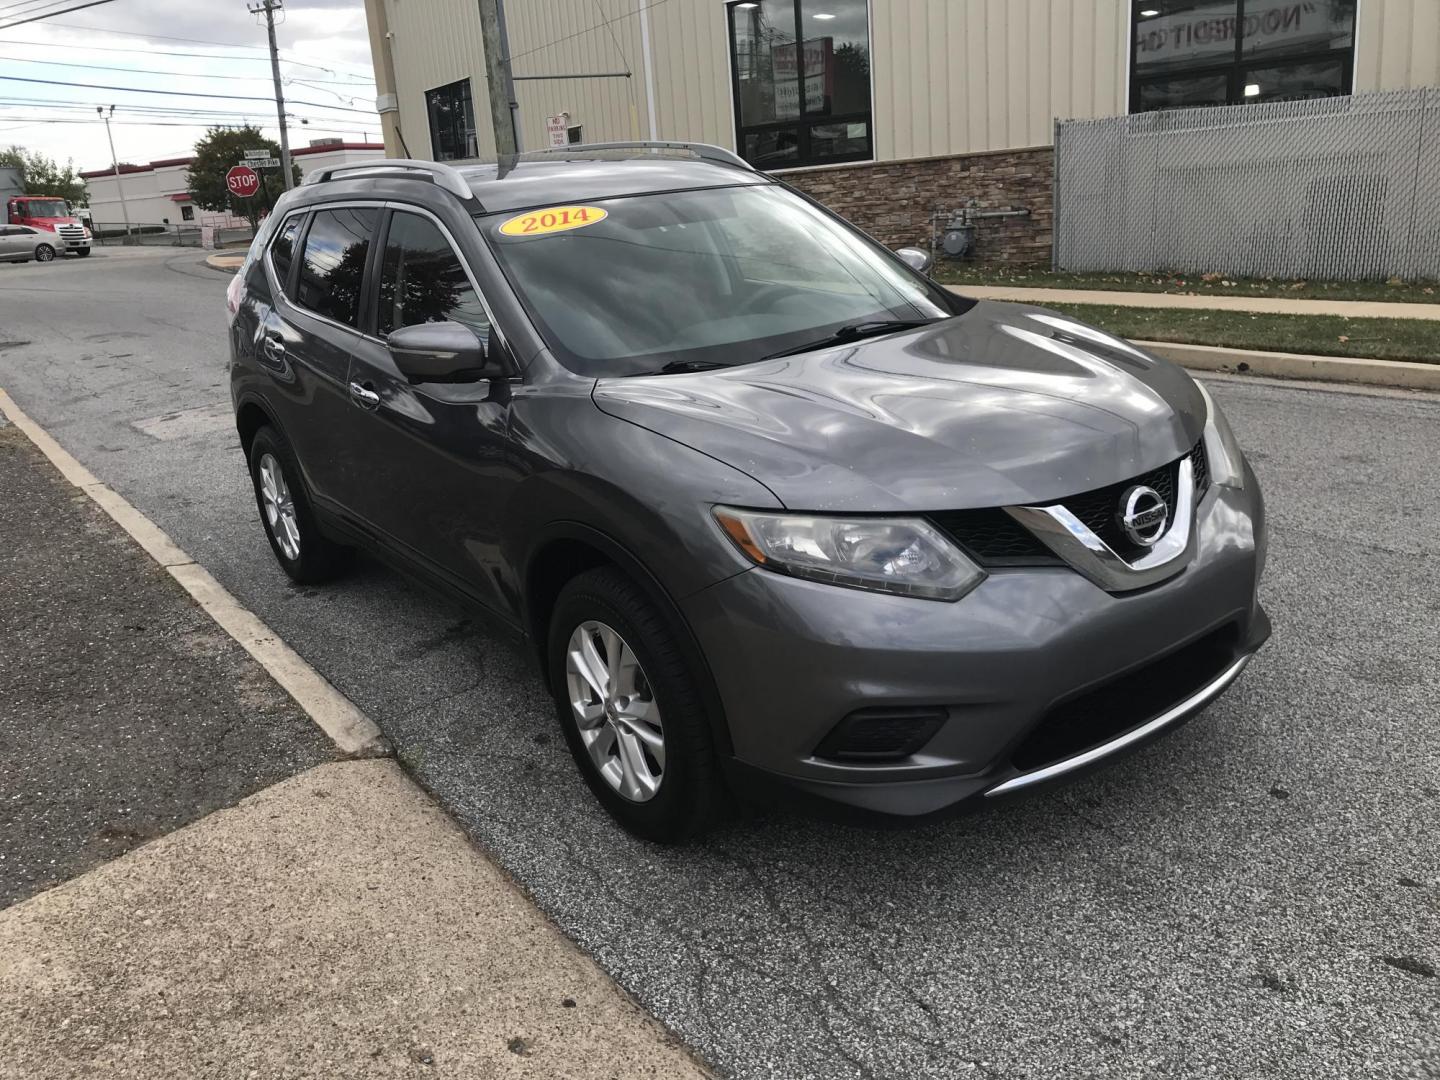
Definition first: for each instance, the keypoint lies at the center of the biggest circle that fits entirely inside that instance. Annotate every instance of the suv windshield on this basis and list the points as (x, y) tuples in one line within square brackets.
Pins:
[(716, 276), (46, 208)]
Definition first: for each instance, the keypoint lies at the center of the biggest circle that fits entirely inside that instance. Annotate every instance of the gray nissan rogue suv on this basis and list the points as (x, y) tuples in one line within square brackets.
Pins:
[(775, 510)]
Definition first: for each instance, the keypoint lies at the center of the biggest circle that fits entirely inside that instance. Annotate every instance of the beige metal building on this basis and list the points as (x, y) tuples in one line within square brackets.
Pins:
[(946, 76), (947, 95)]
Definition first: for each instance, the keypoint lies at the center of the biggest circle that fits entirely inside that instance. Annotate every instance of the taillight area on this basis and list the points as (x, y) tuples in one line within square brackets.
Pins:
[(232, 296)]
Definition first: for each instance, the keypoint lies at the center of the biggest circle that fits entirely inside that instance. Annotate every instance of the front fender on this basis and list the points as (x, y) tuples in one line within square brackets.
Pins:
[(645, 493)]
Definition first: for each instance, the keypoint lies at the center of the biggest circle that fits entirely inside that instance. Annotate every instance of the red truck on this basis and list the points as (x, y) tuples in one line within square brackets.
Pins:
[(53, 214)]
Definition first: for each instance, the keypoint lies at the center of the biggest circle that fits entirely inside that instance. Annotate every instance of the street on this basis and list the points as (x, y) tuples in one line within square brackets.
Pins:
[(1257, 895)]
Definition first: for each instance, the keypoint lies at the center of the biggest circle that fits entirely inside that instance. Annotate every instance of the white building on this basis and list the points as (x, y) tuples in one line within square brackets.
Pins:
[(155, 194)]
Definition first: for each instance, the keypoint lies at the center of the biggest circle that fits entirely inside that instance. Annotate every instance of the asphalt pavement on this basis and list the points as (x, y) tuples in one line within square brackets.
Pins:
[(124, 711), (1257, 895)]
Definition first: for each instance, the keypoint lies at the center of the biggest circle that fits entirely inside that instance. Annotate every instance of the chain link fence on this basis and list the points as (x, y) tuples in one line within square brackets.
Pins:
[(1346, 187), (111, 234)]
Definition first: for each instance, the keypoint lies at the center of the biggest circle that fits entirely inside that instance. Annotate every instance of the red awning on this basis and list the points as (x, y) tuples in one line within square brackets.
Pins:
[(182, 197)]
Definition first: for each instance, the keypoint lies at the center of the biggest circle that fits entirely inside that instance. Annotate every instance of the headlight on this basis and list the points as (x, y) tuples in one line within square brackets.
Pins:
[(905, 556), (1222, 452)]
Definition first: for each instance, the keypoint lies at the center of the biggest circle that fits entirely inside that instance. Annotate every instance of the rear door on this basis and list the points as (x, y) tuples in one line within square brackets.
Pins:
[(440, 470), (308, 338), (12, 241)]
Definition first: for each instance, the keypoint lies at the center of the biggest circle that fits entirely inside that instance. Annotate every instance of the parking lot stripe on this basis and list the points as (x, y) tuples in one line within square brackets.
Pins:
[(348, 728)]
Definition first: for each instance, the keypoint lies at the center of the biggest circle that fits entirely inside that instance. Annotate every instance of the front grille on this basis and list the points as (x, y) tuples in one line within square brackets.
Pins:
[(994, 539), (1098, 509), (1099, 715)]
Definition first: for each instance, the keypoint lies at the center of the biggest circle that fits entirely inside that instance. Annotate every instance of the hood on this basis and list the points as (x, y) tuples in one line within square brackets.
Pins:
[(51, 222), (1002, 405)]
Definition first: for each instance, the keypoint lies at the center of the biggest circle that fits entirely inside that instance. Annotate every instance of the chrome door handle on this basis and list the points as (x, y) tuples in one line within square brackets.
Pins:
[(367, 398)]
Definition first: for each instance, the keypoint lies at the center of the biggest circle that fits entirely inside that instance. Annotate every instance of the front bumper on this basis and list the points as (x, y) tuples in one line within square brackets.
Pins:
[(792, 658)]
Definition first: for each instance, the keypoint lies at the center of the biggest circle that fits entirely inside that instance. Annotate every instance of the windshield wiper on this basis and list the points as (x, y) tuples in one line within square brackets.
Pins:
[(854, 332), (677, 367)]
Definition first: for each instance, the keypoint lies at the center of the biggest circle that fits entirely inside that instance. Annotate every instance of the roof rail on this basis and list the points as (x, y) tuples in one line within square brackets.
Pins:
[(442, 175), (704, 151)]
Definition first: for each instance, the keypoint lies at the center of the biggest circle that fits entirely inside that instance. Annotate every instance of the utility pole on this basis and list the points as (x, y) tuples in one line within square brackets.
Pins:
[(496, 56), (510, 100), (119, 184), (269, 7)]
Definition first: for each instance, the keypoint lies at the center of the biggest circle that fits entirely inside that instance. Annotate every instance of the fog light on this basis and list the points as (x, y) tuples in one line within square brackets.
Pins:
[(882, 734)]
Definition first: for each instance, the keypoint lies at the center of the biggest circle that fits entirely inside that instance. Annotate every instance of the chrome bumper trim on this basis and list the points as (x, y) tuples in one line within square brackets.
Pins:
[(1195, 701), (1068, 537)]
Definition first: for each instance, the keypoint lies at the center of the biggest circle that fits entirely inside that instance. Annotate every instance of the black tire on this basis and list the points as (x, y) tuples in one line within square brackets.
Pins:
[(690, 797), (44, 253), (318, 558), (82, 252)]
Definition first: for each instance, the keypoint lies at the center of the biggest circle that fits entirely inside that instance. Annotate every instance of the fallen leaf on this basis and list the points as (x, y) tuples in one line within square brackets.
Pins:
[(1344, 337)]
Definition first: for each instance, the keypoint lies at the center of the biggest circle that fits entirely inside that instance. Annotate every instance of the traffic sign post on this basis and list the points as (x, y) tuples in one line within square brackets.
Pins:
[(242, 181)]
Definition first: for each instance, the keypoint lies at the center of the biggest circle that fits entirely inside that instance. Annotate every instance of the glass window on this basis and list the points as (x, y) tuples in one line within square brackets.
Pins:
[(1184, 91), (1210, 52), (713, 276), (187, 213), (332, 267), (801, 71), (1296, 81), (45, 208), (282, 248), (452, 122), (422, 279)]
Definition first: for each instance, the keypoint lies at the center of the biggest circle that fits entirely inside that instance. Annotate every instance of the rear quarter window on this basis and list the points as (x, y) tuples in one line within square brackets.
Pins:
[(332, 266), (282, 248)]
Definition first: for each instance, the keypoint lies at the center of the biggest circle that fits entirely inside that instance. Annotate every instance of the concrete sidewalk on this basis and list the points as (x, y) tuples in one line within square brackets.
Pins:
[(333, 923), (1266, 305), (337, 924)]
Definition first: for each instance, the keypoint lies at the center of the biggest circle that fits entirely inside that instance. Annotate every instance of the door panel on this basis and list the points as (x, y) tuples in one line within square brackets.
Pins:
[(440, 459), (309, 336)]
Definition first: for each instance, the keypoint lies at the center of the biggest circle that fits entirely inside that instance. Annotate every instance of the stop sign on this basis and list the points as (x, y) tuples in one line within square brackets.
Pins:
[(242, 181)]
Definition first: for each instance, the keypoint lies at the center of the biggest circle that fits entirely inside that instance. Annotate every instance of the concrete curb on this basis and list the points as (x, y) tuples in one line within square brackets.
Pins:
[(337, 924), (1335, 369), (227, 263), (348, 728)]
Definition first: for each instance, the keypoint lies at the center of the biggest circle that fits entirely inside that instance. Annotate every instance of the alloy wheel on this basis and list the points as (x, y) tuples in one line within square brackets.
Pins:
[(614, 707), (279, 507)]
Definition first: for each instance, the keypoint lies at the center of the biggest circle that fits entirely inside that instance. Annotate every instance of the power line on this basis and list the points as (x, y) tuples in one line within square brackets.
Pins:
[(197, 125), (71, 47), (21, 4), (589, 29), (152, 71), (179, 93), (58, 11), (188, 40)]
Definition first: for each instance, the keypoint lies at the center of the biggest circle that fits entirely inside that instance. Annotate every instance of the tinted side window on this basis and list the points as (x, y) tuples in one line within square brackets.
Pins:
[(332, 267), (422, 279), (282, 248)]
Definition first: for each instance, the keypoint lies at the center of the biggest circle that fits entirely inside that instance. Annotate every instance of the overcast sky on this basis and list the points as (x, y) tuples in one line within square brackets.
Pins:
[(322, 42)]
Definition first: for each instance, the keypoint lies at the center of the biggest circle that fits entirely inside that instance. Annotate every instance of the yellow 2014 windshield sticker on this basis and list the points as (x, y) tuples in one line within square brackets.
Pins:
[(552, 220)]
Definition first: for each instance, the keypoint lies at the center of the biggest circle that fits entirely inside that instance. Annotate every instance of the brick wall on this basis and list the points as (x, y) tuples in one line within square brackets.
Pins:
[(893, 200)]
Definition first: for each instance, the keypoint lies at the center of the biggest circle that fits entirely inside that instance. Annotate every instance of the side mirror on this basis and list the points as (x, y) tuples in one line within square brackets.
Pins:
[(441, 352), (915, 258)]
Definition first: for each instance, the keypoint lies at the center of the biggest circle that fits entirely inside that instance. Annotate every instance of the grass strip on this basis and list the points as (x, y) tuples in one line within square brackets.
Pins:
[(1322, 335), (1213, 284)]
